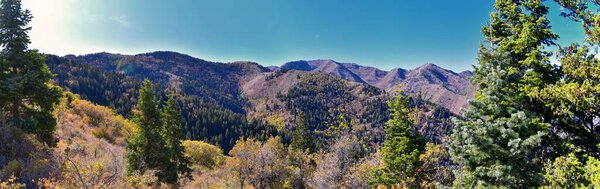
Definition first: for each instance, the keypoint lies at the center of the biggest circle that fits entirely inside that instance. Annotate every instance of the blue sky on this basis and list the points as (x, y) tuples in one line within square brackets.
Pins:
[(383, 33)]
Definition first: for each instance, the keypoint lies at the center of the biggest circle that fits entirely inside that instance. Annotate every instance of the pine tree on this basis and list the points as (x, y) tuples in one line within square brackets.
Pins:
[(26, 98), (499, 142), (173, 134), (401, 148), (301, 134), (147, 149)]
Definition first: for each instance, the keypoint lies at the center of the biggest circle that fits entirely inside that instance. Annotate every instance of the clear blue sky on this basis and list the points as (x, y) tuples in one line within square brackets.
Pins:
[(383, 33)]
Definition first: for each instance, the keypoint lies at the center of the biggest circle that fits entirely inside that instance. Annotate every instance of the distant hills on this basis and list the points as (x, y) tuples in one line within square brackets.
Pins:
[(441, 86), (438, 85), (216, 97)]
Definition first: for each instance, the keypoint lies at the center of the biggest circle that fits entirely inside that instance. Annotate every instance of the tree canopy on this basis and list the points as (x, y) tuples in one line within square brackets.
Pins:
[(26, 97)]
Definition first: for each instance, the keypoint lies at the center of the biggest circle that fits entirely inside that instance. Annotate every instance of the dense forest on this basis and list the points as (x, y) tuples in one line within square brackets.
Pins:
[(218, 121), (168, 120)]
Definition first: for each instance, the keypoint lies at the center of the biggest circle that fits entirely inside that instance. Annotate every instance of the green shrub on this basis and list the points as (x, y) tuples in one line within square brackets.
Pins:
[(13, 167)]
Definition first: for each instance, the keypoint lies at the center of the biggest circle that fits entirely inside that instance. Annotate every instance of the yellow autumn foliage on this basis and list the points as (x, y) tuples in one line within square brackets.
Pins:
[(203, 154)]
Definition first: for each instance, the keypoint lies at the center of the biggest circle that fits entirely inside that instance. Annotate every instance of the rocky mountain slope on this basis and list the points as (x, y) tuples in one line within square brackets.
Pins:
[(441, 86)]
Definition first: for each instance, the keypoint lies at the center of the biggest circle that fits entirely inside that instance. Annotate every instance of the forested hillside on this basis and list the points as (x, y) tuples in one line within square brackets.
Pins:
[(429, 81), (211, 104), (222, 102)]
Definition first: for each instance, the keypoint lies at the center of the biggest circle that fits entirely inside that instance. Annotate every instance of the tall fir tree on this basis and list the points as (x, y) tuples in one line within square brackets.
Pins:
[(301, 135), (173, 134), (147, 149), (401, 148), (499, 142), (26, 97)]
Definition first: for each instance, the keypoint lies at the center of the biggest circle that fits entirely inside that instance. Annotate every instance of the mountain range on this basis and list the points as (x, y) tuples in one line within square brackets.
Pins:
[(216, 97), (438, 85)]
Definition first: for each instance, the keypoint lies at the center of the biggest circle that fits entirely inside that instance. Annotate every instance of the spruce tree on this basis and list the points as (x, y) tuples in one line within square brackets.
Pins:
[(173, 134), (401, 148), (147, 149), (499, 142), (26, 98), (301, 135)]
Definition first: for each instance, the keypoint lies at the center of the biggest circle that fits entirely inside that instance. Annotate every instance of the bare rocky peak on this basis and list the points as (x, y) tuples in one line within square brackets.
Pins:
[(325, 66), (442, 86)]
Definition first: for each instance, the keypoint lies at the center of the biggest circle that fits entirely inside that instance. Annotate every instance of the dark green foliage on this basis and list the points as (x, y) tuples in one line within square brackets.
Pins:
[(574, 100), (277, 74), (432, 121), (112, 80), (315, 95), (147, 149), (214, 83), (301, 139), (323, 98), (401, 148), (499, 144), (173, 134), (26, 98), (220, 126), (371, 90), (111, 89), (374, 116)]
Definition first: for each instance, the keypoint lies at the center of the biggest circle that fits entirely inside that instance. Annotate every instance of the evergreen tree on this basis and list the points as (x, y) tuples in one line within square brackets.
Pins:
[(26, 98), (575, 103), (147, 149), (575, 99), (173, 134), (301, 134), (499, 143), (401, 148)]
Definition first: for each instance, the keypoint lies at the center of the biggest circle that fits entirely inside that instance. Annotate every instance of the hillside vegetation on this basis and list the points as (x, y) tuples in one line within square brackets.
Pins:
[(168, 120)]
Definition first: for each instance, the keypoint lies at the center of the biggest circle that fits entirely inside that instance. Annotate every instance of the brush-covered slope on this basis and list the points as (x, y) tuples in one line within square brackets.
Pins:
[(209, 93), (89, 153)]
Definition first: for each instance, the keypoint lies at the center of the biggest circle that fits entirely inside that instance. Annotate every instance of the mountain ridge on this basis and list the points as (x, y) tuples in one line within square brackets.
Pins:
[(272, 67), (442, 86), (436, 84)]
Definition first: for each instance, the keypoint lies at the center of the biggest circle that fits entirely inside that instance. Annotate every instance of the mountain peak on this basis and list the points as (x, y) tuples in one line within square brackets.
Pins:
[(244, 62), (166, 55), (428, 66), (324, 65), (310, 65), (297, 65), (324, 61), (466, 73)]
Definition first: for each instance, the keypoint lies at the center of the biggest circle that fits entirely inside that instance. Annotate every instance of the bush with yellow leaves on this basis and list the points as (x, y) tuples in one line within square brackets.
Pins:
[(11, 183), (203, 154)]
